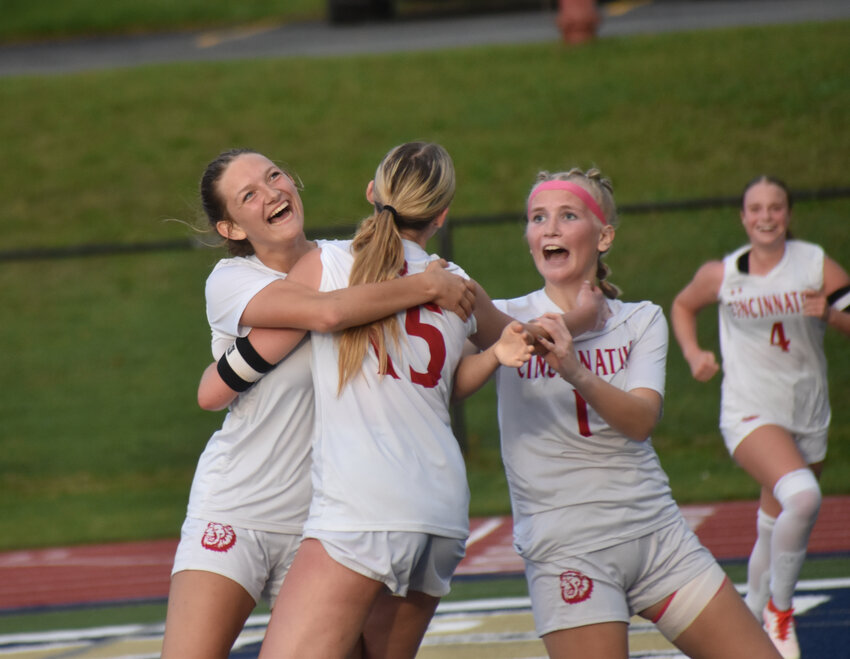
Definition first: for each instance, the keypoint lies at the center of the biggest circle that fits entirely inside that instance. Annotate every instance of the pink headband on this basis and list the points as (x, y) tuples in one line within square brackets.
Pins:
[(572, 188)]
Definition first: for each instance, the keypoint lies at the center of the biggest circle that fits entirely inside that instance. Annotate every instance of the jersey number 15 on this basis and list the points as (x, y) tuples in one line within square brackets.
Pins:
[(414, 326)]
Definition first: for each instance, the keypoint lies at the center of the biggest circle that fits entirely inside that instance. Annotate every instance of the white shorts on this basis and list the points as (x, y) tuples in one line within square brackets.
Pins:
[(256, 560), (612, 584), (400, 560), (812, 445)]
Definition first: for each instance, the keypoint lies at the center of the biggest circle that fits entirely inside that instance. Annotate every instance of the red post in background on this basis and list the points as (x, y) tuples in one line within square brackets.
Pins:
[(578, 20)]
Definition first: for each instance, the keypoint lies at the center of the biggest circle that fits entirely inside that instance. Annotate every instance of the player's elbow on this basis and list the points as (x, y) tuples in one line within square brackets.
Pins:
[(640, 433), (643, 420), (330, 320), (210, 403), (679, 307)]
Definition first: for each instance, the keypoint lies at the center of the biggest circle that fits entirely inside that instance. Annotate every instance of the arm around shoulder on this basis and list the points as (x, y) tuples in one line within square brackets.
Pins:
[(296, 302)]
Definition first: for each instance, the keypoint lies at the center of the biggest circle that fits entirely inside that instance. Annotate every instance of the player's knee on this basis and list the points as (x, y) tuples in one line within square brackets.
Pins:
[(799, 493), (764, 522), (689, 601)]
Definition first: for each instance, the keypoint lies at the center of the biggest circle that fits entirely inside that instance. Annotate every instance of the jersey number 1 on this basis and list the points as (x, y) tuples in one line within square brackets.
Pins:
[(581, 415)]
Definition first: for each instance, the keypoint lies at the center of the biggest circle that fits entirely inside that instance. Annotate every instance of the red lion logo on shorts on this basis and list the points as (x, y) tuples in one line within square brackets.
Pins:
[(575, 586), (218, 537)]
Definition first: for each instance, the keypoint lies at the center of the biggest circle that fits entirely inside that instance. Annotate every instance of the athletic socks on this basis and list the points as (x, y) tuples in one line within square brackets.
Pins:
[(758, 567), (800, 497)]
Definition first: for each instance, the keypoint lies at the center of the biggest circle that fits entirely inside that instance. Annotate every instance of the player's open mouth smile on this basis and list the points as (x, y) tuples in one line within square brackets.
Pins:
[(551, 252), (280, 214)]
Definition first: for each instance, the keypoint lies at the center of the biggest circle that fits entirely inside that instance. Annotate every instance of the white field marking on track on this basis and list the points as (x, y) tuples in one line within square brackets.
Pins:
[(479, 639), (475, 606), (214, 38), (811, 584), (449, 619), (484, 529), (63, 636), (65, 558), (696, 515)]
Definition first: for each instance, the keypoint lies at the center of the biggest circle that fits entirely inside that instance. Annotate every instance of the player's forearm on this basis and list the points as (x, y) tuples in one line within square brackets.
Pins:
[(634, 415), (684, 322), (580, 320), (473, 372), (213, 393), (366, 303), (840, 320), (293, 305)]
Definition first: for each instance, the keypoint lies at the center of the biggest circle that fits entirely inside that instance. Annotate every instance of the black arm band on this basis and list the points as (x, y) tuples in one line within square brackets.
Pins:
[(840, 299), (241, 366)]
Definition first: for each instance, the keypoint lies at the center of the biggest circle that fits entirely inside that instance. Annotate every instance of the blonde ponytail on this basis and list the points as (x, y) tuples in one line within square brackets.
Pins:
[(414, 183)]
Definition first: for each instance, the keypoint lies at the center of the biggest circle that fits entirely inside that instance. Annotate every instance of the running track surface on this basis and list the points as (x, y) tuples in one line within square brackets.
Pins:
[(141, 570)]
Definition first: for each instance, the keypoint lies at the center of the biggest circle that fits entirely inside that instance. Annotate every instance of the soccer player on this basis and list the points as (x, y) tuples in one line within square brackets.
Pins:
[(775, 297), (594, 519), (251, 490)]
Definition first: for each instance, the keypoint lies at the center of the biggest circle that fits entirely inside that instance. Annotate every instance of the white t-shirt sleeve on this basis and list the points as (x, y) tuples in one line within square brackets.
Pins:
[(648, 358), (229, 288)]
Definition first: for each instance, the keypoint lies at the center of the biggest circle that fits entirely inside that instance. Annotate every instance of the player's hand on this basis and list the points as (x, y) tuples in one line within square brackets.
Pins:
[(815, 304), (453, 292), (515, 346), (536, 332), (592, 300), (703, 365), (560, 352)]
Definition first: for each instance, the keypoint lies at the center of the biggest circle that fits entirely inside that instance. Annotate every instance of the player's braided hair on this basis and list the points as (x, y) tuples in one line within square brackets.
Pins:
[(601, 189)]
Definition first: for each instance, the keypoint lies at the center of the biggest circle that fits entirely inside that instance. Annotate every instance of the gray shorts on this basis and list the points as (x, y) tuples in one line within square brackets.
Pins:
[(256, 560), (812, 445), (400, 560), (612, 584)]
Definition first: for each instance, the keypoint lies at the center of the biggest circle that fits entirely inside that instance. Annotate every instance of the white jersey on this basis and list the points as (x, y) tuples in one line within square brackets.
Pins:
[(774, 365), (576, 484), (385, 457), (255, 471)]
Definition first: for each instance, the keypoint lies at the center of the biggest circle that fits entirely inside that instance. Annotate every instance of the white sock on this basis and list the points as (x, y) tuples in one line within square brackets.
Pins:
[(800, 496), (758, 567)]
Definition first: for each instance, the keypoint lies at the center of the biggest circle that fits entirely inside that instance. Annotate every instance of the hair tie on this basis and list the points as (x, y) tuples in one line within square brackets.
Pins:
[(387, 207), (572, 188)]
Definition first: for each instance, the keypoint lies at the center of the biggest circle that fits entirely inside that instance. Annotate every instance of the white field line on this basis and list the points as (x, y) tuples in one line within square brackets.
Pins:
[(449, 617)]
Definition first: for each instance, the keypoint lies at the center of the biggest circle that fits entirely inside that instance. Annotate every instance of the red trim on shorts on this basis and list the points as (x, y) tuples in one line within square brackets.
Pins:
[(664, 608), (670, 600)]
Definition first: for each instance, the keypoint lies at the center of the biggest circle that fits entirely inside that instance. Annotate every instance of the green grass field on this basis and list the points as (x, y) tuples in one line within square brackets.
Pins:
[(101, 432)]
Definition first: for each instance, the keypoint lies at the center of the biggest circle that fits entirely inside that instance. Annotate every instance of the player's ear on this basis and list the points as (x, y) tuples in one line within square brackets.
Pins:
[(606, 237), (230, 230)]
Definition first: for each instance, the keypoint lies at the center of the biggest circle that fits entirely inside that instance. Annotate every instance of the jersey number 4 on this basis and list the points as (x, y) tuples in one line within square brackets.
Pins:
[(777, 337), (414, 326)]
